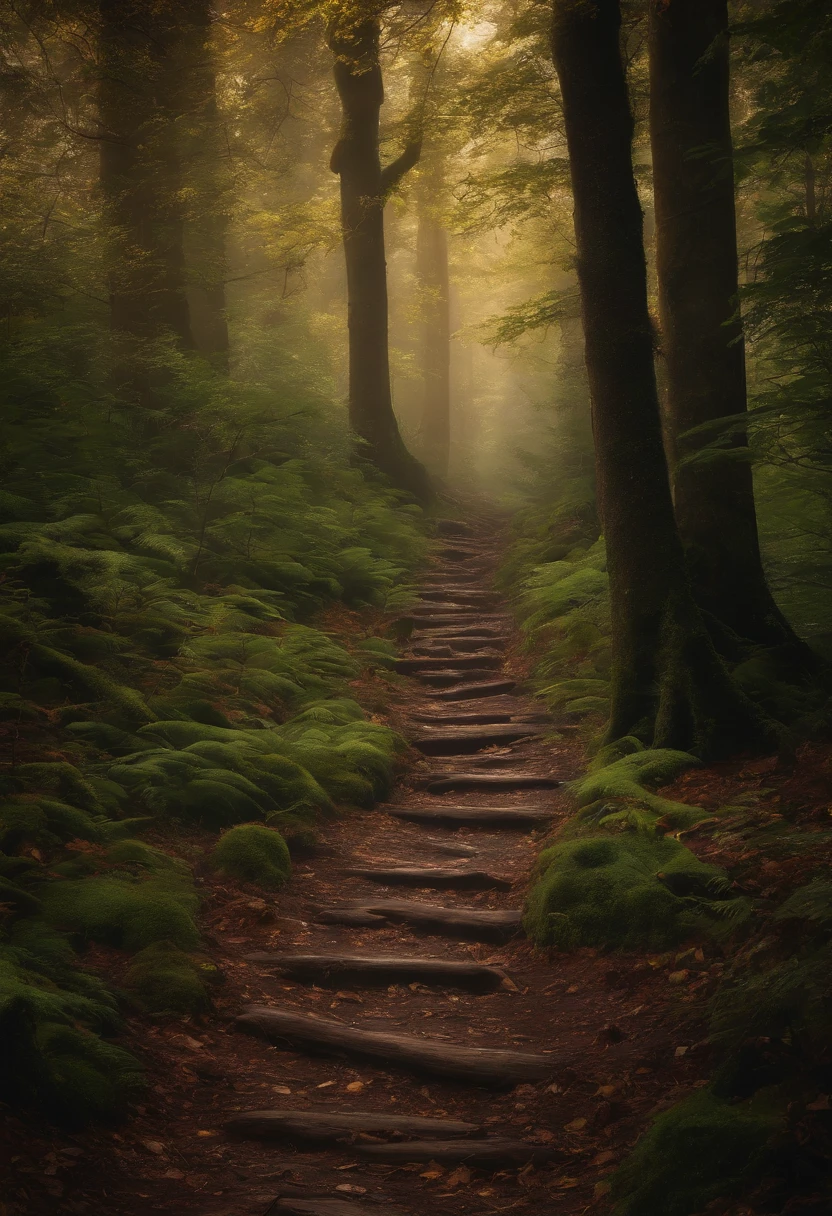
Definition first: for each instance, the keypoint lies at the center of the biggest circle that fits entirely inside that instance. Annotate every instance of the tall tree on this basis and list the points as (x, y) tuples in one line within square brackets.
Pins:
[(365, 186), (207, 176), (701, 330), (432, 270), (139, 99), (668, 684)]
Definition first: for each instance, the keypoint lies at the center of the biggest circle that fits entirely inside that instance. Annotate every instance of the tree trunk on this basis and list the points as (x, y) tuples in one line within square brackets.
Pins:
[(668, 685), (432, 269), (696, 262), (206, 161), (364, 188), (140, 170)]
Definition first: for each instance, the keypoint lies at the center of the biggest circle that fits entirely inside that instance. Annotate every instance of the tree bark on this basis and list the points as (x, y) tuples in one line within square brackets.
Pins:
[(432, 270), (669, 687), (207, 173), (365, 186), (140, 171), (702, 341)]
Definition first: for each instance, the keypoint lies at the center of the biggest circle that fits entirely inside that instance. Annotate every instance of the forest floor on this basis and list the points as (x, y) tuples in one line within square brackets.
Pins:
[(625, 1033)]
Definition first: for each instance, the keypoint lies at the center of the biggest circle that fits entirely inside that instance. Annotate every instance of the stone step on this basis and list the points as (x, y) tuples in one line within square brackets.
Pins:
[(473, 924), (368, 970), (329, 1207), (492, 1067), (450, 676), (475, 816), (482, 1154), (441, 663), (435, 879), (318, 1128), (482, 719), (464, 742), (444, 783), (454, 527), (471, 692), (450, 593), (484, 632)]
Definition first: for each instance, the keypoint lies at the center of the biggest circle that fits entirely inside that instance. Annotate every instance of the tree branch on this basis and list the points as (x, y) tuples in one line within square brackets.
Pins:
[(395, 171)]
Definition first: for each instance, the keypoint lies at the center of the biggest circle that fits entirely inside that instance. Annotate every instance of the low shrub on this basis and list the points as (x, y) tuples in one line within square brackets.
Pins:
[(627, 889), (699, 1150), (164, 979), (255, 854)]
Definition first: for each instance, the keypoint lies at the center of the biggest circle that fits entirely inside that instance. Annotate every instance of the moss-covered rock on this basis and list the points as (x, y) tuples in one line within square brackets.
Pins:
[(700, 1150), (628, 889), (164, 979), (253, 853)]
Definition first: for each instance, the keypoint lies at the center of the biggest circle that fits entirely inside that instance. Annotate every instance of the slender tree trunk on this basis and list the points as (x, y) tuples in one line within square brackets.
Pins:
[(364, 189), (206, 160), (432, 269), (140, 169), (696, 262), (668, 685)]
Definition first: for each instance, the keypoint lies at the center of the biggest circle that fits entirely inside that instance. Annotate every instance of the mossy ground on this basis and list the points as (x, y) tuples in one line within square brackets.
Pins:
[(700, 1150), (255, 854)]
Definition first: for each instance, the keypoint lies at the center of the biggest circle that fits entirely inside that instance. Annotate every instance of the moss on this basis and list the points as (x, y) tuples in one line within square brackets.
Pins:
[(612, 788), (628, 890), (150, 899), (164, 979), (700, 1150), (255, 854)]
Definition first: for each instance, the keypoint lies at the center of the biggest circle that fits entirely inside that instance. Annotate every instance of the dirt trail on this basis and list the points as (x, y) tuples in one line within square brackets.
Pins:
[(573, 1051)]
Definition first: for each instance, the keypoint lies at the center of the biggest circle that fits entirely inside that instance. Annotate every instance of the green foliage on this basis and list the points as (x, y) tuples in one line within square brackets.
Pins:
[(145, 897), (624, 890), (701, 1149), (164, 979), (615, 789), (255, 854), (51, 1017)]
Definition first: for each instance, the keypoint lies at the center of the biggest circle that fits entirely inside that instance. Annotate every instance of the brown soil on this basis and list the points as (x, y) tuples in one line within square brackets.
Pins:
[(631, 1029)]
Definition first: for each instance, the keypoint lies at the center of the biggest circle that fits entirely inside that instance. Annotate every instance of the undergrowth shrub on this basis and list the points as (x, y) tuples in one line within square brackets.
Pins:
[(701, 1149), (164, 979), (255, 854), (623, 890)]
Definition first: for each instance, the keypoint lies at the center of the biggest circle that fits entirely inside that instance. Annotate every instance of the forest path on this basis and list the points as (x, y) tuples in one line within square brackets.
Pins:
[(369, 1081)]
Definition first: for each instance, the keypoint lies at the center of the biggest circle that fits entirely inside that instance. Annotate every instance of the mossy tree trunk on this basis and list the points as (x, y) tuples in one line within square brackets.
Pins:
[(365, 186), (701, 330), (668, 684), (139, 100), (432, 269)]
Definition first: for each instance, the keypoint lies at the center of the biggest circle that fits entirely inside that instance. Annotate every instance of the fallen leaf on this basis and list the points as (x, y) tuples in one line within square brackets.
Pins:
[(678, 977), (281, 1089), (154, 1146), (200, 1133), (605, 1091), (681, 1051), (173, 1174), (576, 1125), (565, 1184), (349, 996), (601, 1188), (355, 1087), (574, 988), (485, 1194), (603, 1157), (325, 1084), (194, 1044), (352, 1166), (459, 1177), (821, 1102), (349, 1189), (431, 1174)]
